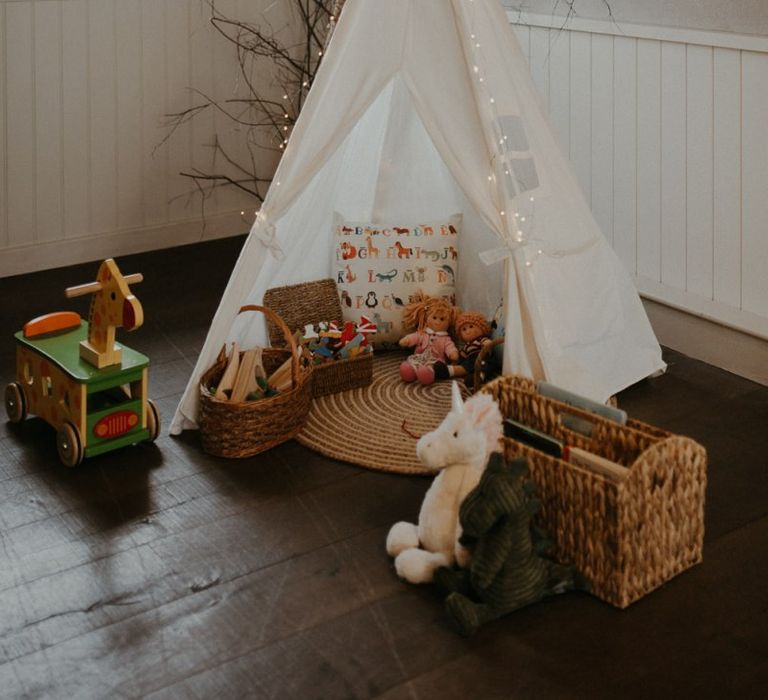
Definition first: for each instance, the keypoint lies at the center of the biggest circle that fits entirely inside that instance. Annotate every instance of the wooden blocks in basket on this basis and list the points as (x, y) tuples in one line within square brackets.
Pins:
[(310, 303), (627, 536), (245, 428)]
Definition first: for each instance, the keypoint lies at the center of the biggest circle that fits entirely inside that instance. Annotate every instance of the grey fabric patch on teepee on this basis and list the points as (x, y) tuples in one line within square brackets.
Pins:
[(523, 174), (513, 132)]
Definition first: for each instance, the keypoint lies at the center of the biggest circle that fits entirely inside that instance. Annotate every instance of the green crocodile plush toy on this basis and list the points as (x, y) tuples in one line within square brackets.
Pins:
[(507, 570)]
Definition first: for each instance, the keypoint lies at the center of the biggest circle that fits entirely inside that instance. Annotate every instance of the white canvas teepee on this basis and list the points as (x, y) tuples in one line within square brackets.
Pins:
[(422, 109)]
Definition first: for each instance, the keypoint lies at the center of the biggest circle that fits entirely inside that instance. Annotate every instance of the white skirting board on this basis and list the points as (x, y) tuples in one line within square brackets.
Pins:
[(710, 342), (43, 256)]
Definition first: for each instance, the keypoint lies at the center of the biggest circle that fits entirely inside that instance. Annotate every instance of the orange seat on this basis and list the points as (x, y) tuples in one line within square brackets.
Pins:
[(56, 322)]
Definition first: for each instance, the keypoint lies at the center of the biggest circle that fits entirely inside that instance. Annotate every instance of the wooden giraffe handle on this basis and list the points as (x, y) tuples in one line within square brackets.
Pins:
[(93, 287)]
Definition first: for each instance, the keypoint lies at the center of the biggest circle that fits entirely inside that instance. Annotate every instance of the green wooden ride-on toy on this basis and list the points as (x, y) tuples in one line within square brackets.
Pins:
[(73, 375)]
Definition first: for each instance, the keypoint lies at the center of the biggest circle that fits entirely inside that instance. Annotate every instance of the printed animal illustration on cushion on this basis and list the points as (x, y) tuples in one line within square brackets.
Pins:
[(459, 447), (379, 268), (507, 570)]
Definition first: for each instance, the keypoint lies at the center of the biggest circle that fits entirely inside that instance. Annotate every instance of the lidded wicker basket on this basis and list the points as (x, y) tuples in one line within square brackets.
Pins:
[(627, 536), (243, 429), (310, 303)]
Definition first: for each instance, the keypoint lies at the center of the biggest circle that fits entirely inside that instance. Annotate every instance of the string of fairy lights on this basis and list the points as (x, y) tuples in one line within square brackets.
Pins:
[(306, 84), (518, 227)]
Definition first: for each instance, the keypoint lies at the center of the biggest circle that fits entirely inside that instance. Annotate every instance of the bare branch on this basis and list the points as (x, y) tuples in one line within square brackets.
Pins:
[(222, 179), (276, 67)]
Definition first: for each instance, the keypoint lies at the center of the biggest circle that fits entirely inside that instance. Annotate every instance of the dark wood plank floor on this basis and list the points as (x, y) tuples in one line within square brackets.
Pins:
[(158, 571)]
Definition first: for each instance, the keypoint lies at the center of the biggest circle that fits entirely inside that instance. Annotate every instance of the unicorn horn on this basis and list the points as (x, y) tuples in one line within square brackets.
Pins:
[(456, 403)]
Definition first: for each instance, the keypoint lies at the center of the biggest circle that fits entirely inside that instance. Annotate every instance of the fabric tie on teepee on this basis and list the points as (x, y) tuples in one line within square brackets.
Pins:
[(267, 234)]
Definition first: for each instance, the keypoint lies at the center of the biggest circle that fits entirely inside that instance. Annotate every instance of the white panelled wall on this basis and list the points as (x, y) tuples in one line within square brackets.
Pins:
[(84, 87), (667, 130)]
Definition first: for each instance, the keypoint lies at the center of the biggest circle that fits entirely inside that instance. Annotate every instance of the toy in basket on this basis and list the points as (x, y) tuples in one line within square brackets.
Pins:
[(72, 374), (234, 426), (310, 304), (627, 533), (335, 342)]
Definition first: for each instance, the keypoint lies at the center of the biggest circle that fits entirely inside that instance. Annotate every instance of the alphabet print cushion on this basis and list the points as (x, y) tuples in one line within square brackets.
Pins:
[(379, 267)]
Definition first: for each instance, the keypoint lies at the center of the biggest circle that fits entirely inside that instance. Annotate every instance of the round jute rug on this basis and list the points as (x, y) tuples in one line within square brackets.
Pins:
[(377, 426)]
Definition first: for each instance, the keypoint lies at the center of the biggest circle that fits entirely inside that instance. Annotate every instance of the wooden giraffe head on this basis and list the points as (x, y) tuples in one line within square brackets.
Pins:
[(112, 306)]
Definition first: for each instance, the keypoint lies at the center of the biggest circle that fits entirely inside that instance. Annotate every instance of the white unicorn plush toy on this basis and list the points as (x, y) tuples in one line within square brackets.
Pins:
[(459, 448)]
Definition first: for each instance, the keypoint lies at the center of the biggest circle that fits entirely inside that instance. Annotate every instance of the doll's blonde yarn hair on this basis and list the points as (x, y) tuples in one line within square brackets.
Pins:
[(473, 318), (418, 311)]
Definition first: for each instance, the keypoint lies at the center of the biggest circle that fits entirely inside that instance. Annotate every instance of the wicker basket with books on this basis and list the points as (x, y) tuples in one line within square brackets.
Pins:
[(628, 511)]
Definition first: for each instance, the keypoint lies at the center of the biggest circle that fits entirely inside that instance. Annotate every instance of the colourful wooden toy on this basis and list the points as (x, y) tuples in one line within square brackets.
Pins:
[(74, 375)]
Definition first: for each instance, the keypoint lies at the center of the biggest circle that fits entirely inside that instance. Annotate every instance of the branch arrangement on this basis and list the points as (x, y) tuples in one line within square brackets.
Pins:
[(276, 68)]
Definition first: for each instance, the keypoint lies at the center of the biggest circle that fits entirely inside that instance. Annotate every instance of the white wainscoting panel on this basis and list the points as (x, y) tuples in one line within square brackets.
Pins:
[(84, 89), (667, 131), (726, 162), (75, 139), (20, 163), (754, 168), (581, 109), (700, 173), (601, 87), (625, 150), (673, 165), (648, 196), (47, 122)]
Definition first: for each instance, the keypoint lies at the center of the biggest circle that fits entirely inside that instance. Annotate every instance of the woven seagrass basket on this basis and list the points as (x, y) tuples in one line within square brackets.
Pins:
[(313, 302), (243, 429), (627, 537)]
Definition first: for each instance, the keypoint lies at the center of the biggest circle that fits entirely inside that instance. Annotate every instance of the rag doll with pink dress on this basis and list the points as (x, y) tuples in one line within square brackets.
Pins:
[(432, 317)]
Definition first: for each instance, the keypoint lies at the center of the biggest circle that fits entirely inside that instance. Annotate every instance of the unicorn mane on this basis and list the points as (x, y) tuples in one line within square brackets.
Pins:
[(486, 416)]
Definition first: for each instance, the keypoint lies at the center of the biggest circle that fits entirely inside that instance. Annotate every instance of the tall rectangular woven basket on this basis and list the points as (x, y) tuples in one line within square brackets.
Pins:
[(627, 537), (313, 302)]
